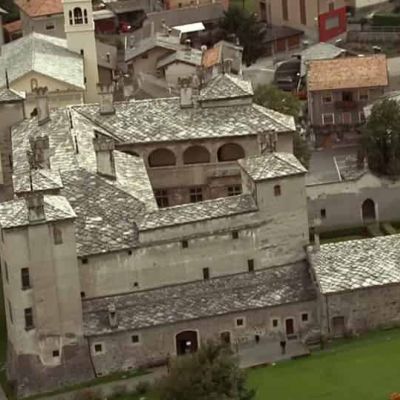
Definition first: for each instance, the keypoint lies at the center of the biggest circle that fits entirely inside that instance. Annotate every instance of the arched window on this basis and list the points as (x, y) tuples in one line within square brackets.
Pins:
[(85, 16), (230, 152), (161, 158), (71, 21), (34, 84), (368, 211), (78, 19), (196, 155)]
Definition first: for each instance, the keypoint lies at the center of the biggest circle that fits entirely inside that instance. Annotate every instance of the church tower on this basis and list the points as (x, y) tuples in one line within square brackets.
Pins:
[(79, 30)]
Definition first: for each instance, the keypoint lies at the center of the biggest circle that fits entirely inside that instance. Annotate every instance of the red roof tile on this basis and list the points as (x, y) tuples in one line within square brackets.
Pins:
[(37, 8)]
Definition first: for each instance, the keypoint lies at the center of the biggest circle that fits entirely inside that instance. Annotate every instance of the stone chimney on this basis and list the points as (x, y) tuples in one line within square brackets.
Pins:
[(104, 148), (42, 104), (39, 156), (106, 95), (186, 92), (112, 315), (35, 204)]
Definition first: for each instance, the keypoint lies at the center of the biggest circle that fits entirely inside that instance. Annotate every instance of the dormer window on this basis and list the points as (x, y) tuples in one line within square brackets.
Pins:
[(78, 17)]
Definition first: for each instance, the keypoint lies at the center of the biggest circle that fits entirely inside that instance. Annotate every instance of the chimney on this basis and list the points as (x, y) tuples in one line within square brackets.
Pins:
[(112, 315), (42, 104), (106, 95), (186, 92), (104, 148), (39, 156), (35, 204)]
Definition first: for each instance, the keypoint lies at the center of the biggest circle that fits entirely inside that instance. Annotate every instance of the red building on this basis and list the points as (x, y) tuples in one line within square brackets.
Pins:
[(332, 24)]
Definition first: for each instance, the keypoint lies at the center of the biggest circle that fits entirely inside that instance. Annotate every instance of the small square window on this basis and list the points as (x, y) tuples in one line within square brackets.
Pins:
[(98, 348), (250, 265), (185, 244), (85, 260), (304, 317), (275, 323), (235, 235), (196, 195), (239, 322), (234, 190), (56, 353), (135, 339), (161, 196), (83, 295), (328, 119), (277, 190), (206, 273), (323, 213)]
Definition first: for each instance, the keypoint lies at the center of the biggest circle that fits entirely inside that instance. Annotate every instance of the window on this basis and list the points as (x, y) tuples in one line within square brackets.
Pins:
[(28, 313), (347, 96), (135, 339), (327, 98), (328, 119), (322, 212), (98, 347), (234, 190), (185, 244), (161, 196), (235, 235), (250, 265), (56, 353), (78, 19), (85, 260), (83, 295), (50, 26), (25, 279), (285, 11), (303, 12), (85, 16), (196, 195), (10, 311), (82, 52), (57, 235), (206, 273), (6, 271), (108, 57), (332, 23), (71, 21), (275, 323), (145, 55), (239, 322), (361, 116), (363, 95), (304, 317), (277, 190), (331, 6)]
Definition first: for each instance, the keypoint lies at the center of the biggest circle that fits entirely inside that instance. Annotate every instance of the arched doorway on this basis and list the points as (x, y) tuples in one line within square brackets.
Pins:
[(368, 211), (186, 342)]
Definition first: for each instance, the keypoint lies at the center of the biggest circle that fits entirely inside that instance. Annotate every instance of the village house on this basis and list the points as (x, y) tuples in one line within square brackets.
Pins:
[(338, 90)]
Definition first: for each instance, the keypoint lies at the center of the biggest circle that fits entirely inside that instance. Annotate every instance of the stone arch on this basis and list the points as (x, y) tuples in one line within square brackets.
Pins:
[(186, 342), (196, 155), (78, 16), (161, 158), (368, 210), (230, 152)]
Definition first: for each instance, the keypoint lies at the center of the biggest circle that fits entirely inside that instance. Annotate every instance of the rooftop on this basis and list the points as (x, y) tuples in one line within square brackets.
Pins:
[(357, 264), (10, 96), (272, 166), (43, 54), (347, 73), (39, 8), (191, 57), (219, 296)]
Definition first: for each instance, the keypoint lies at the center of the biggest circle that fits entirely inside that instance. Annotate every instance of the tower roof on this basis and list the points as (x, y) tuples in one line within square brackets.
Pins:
[(38, 8)]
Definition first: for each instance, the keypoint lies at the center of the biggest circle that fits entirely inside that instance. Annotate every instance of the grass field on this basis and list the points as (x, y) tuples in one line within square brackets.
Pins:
[(367, 368)]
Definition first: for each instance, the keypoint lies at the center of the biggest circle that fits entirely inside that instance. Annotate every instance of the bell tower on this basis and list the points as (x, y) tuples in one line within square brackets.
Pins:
[(79, 30)]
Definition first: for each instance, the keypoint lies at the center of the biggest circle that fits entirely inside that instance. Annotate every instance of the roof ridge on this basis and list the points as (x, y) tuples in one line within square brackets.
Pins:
[(272, 117), (278, 155)]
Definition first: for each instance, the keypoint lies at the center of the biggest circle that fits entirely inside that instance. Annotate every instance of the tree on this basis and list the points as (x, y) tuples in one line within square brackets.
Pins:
[(210, 374), (271, 97), (381, 138), (247, 29)]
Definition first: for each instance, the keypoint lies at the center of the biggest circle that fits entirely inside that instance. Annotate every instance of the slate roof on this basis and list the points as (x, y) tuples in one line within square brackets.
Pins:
[(38, 8), (161, 120), (219, 296), (195, 212), (272, 166), (347, 73), (43, 54), (192, 57), (39, 179), (357, 264), (9, 96), (15, 213), (226, 85)]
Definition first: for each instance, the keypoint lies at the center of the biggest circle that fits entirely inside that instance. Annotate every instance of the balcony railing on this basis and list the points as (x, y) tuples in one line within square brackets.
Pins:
[(346, 105)]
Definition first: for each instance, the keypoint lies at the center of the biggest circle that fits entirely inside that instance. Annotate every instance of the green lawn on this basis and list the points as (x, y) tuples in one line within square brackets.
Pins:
[(366, 368)]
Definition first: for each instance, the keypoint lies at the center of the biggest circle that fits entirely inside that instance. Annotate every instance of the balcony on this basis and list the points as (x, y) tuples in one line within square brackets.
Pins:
[(346, 105)]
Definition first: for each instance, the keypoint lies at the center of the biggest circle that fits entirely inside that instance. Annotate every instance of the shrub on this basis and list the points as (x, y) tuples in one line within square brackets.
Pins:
[(142, 387)]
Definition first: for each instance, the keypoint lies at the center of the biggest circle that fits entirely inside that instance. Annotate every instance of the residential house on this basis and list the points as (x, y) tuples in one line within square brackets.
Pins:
[(12, 30), (339, 89)]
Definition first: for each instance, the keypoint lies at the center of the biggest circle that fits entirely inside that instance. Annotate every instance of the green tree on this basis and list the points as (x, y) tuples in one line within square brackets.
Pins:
[(381, 138), (275, 99), (210, 374), (247, 29)]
